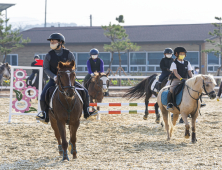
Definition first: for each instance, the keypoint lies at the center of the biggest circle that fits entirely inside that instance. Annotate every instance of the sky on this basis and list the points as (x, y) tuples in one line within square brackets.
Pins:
[(135, 12)]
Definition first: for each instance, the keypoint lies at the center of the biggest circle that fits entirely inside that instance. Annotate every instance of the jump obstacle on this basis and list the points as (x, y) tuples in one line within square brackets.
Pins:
[(122, 111)]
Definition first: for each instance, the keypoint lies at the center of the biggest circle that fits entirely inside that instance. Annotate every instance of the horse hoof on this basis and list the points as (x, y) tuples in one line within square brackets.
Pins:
[(65, 159), (74, 157), (144, 117), (187, 136), (194, 140), (61, 153), (157, 121)]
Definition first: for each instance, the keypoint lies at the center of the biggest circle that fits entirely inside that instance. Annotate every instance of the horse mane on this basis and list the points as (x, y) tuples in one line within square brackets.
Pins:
[(190, 82), (2, 67), (67, 65), (97, 76)]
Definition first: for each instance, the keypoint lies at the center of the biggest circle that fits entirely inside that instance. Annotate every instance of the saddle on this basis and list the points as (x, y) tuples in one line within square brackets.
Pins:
[(177, 95), (50, 93)]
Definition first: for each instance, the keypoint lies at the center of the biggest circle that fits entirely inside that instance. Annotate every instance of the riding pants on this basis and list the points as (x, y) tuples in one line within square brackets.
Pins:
[(174, 83), (163, 75)]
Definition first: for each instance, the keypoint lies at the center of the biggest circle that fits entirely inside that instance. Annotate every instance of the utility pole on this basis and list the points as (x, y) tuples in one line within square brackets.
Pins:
[(45, 11), (6, 18), (90, 20)]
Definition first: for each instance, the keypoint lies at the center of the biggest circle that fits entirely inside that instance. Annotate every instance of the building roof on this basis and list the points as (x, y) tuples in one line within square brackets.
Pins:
[(137, 34)]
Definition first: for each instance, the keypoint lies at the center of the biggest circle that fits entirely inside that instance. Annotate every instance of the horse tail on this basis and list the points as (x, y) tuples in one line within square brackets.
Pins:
[(139, 90), (170, 122)]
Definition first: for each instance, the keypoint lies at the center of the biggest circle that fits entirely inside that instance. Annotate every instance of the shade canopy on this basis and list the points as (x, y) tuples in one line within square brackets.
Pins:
[(5, 6)]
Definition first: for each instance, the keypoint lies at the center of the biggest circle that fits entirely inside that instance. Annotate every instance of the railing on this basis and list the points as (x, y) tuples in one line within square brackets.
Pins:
[(118, 77)]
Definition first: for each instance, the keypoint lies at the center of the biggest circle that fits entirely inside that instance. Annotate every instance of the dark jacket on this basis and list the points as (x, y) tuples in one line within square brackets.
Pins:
[(165, 64)]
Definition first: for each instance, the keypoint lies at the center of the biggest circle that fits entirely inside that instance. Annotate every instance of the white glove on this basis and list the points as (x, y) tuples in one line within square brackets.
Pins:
[(218, 98), (92, 74), (55, 78)]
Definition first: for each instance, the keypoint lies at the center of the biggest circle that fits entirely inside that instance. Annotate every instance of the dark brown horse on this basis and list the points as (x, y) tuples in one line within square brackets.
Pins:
[(144, 89), (66, 109), (97, 86)]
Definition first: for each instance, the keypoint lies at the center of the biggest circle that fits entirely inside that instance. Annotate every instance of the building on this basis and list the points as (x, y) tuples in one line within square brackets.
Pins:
[(153, 39)]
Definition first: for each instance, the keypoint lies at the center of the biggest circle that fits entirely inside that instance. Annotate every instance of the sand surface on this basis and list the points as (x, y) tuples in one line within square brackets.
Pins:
[(123, 141)]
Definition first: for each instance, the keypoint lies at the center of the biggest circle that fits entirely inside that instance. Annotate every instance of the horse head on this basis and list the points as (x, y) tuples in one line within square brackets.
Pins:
[(66, 78), (5, 70), (205, 83), (101, 81)]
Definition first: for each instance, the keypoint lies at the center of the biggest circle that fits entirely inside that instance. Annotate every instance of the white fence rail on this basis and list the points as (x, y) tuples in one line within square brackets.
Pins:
[(118, 77)]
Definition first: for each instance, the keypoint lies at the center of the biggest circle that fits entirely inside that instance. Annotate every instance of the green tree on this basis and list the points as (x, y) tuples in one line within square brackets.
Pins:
[(9, 39), (217, 34)]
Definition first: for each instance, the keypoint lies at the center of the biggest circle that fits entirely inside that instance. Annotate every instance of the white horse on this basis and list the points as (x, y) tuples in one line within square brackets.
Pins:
[(5, 71), (190, 104)]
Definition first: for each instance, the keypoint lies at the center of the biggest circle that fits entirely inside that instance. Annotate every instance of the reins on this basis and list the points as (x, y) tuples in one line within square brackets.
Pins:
[(63, 92)]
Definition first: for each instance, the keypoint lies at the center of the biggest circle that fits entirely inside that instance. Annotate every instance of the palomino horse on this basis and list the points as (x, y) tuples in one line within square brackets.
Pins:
[(190, 104), (5, 71), (66, 108), (142, 89), (97, 86)]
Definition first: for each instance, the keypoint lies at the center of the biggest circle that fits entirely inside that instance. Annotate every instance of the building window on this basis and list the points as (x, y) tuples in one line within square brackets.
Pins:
[(153, 61), (137, 62), (12, 59), (81, 61), (193, 58), (213, 62), (115, 63)]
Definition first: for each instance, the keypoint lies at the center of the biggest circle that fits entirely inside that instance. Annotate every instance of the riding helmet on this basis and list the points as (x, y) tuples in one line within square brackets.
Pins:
[(179, 49), (57, 36), (94, 51), (168, 51), (37, 57)]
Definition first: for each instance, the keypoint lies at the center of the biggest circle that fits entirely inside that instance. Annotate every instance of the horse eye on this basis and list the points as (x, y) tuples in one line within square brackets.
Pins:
[(207, 85)]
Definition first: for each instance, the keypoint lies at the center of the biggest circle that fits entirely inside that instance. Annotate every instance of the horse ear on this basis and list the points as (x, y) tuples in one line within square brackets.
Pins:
[(60, 65), (107, 73), (6, 64), (72, 63)]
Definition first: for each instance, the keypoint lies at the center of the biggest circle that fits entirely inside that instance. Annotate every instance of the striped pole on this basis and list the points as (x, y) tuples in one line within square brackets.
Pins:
[(124, 111), (120, 104)]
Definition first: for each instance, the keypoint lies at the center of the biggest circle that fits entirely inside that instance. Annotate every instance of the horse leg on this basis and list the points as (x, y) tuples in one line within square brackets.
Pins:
[(194, 117), (175, 118), (57, 134), (157, 113), (72, 142), (165, 119), (187, 126), (148, 95), (98, 108), (91, 100), (62, 131)]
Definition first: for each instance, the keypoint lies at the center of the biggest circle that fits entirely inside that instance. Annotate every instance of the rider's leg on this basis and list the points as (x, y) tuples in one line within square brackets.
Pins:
[(86, 111), (44, 107), (87, 77), (169, 96)]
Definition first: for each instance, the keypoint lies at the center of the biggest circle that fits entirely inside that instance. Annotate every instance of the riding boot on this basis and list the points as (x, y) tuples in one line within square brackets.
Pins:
[(86, 106), (43, 115), (169, 102)]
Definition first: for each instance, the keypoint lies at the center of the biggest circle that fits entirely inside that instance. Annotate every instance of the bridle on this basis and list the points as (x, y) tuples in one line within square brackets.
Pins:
[(65, 94), (60, 83), (201, 93)]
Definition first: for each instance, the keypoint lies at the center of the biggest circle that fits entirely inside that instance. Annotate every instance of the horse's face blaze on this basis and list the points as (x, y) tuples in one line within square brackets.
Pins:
[(104, 81)]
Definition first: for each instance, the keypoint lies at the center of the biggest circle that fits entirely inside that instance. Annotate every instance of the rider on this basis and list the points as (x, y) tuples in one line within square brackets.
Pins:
[(94, 64), (34, 71), (165, 64), (58, 53), (182, 71)]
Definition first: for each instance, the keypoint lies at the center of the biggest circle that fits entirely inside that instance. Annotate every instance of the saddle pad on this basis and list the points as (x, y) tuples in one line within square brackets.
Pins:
[(164, 97)]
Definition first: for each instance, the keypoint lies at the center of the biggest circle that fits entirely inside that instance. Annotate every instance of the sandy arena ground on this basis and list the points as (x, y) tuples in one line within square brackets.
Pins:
[(115, 142)]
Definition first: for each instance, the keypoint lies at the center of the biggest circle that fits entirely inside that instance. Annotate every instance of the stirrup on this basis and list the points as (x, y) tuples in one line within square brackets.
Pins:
[(41, 118), (95, 112), (169, 108)]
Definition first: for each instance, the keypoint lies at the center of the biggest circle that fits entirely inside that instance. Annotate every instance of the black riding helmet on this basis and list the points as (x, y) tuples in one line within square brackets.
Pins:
[(57, 36), (36, 57), (179, 49), (168, 51)]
